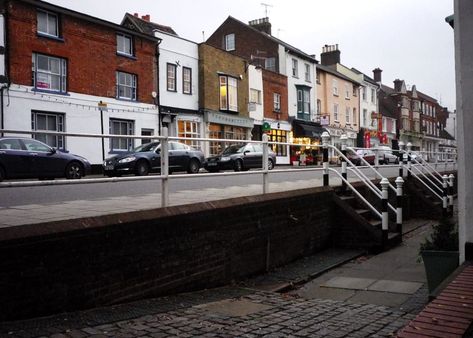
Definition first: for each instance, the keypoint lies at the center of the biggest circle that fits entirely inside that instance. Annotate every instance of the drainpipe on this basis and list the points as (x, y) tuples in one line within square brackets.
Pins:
[(157, 99)]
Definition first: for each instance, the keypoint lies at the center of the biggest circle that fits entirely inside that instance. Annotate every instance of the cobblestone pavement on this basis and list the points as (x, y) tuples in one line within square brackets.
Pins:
[(276, 315)]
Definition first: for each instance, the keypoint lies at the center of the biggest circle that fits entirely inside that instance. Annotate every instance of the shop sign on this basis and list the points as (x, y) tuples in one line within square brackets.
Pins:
[(266, 127), (222, 118), (324, 120)]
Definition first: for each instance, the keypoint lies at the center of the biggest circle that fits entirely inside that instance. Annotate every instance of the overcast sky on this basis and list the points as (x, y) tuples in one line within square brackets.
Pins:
[(407, 39)]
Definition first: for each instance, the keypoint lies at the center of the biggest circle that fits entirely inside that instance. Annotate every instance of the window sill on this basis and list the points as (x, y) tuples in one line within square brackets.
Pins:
[(128, 56), (171, 90), (51, 37), (126, 99), (187, 93), (347, 98), (39, 90), (335, 94)]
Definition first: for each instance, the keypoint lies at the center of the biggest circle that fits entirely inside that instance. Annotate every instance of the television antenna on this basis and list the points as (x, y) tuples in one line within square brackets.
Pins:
[(266, 8)]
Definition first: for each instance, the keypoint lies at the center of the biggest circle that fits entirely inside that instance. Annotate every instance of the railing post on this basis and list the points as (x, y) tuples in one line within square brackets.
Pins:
[(444, 197), (399, 182), (265, 164), (409, 147), (384, 211), (376, 158), (343, 140), (164, 168), (401, 159), (451, 180), (325, 141)]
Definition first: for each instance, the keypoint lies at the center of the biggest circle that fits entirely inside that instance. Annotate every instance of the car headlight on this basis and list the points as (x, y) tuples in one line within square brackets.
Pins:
[(224, 159), (127, 159)]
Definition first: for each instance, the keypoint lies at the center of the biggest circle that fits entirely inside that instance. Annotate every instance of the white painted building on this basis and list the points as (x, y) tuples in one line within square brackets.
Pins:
[(179, 86), (256, 102)]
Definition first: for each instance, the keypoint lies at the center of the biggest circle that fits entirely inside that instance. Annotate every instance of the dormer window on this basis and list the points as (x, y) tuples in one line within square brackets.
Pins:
[(48, 24), (124, 44)]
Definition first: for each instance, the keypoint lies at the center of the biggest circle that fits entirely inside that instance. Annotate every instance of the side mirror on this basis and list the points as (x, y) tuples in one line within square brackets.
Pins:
[(246, 152), (53, 151)]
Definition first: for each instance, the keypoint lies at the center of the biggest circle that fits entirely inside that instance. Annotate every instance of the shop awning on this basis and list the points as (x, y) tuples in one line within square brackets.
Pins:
[(307, 129)]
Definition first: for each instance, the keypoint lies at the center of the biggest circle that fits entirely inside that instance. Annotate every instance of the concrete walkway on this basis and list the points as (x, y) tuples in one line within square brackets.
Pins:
[(366, 297)]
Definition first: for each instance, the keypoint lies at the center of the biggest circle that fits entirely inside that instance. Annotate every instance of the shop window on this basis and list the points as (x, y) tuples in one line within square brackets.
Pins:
[(277, 135), (146, 132), (189, 129), (121, 127)]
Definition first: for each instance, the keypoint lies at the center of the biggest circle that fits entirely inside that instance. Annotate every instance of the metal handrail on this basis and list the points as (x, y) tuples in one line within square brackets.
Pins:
[(426, 164), (427, 178), (369, 165), (413, 174), (357, 193)]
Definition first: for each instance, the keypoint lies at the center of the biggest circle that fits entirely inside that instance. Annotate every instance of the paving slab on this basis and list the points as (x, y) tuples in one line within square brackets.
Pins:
[(351, 283), (395, 286), (232, 307), (378, 298)]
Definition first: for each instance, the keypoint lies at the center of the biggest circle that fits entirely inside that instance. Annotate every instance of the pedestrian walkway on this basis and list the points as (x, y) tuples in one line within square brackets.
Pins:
[(250, 311)]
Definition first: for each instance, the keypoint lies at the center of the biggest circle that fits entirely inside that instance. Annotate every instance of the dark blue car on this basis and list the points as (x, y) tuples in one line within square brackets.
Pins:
[(29, 158)]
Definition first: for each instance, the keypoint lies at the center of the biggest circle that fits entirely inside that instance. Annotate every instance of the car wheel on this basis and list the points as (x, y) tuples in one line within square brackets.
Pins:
[(141, 168), (2, 174), (74, 171), (238, 165), (194, 167), (270, 164)]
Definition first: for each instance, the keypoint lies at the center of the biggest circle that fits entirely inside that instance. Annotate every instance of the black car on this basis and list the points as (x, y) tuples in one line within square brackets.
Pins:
[(29, 158), (240, 157), (146, 158)]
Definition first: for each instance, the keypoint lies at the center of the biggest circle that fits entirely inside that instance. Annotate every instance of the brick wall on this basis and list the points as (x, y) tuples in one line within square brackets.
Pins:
[(275, 83), (90, 51), (63, 266), (248, 41), (212, 62)]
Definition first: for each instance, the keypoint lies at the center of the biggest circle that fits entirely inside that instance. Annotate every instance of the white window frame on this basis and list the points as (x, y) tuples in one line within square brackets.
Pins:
[(347, 91), (121, 144), (307, 72), (335, 87), (187, 80), (124, 44), (43, 79), (347, 115), (230, 42), (51, 19), (191, 129), (277, 102), (228, 93), (171, 77), (52, 122), (335, 112), (255, 96), (354, 116), (126, 86), (270, 64), (373, 96), (365, 115), (295, 70), (363, 93)]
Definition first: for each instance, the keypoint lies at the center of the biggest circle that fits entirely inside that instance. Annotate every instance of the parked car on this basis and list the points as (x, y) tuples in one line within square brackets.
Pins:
[(240, 157), (367, 154), (29, 158), (147, 158), (386, 156)]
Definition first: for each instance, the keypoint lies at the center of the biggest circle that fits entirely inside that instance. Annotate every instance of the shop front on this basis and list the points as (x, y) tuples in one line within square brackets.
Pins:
[(308, 136), (335, 134), (225, 126)]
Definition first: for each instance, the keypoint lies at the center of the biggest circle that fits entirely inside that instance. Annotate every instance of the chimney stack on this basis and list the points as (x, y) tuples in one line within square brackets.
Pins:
[(263, 25), (136, 14), (398, 85), (330, 55), (377, 75), (146, 17)]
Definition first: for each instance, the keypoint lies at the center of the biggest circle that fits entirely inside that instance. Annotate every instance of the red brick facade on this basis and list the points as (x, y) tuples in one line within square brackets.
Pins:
[(274, 83), (89, 48)]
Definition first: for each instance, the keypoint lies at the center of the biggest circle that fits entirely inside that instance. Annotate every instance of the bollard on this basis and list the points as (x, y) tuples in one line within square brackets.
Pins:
[(399, 182), (444, 197), (164, 168), (401, 159), (343, 140), (384, 212), (325, 141), (451, 179), (265, 163), (409, 147)]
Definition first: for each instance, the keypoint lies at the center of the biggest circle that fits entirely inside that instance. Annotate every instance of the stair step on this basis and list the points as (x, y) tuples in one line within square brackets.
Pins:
[(346, 198), (392, 235), (362, 212), (374, 222)]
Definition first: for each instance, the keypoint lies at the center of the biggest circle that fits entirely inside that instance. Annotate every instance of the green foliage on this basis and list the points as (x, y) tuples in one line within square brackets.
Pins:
[(443, 238)]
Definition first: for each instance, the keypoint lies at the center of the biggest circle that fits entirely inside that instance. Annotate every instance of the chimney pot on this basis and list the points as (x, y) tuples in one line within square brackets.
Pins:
[(146, 17), (330, 55), (377, 74), (136, 14)]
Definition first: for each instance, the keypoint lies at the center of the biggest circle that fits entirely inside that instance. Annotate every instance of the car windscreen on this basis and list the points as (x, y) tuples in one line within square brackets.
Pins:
[(233, 149), (146, 147)]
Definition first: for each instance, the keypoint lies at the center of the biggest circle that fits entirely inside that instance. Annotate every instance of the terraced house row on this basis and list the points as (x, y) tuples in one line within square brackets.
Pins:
[(65, 71)]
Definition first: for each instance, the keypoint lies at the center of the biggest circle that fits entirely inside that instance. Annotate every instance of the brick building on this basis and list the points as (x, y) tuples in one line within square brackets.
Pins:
[(254, 43), (60, 64), (224, 96)]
